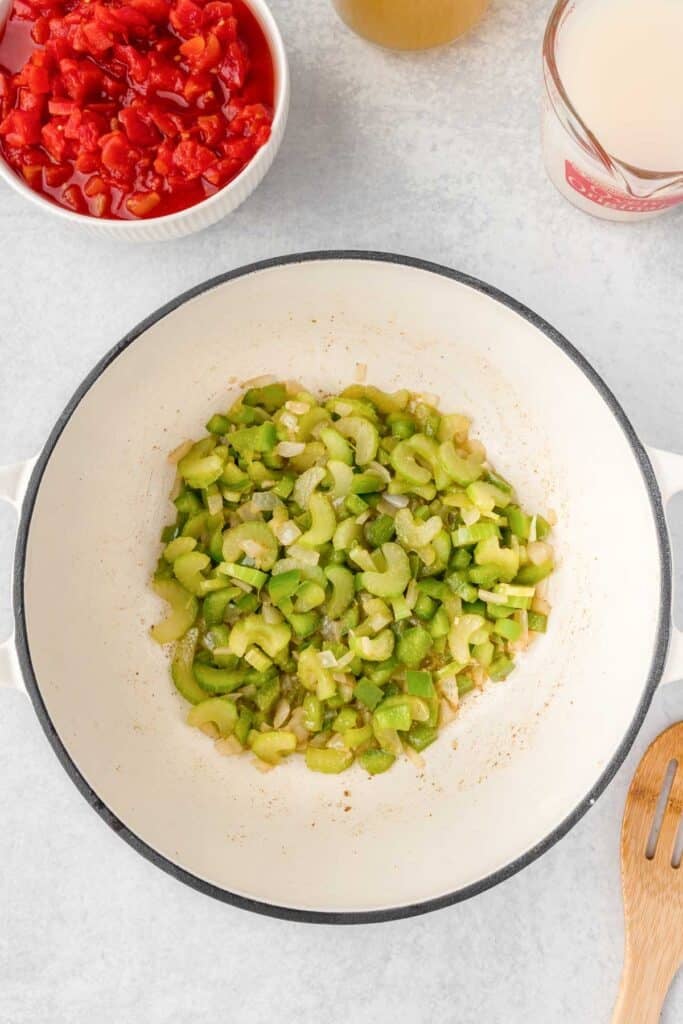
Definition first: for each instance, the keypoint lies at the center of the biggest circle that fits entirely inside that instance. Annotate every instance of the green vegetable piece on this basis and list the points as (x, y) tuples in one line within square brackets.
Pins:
[(375, 648), (215, 605), (247, 602), (219, 680), (509, 629), (271, 397), (342, 590), (414, 646), (415, 535), (243, 725), (500, 668), (313, 713), (347, 533), (271, 747), (184, 609), (518, 521), (367, 483), (313, 674), (218, 424), (364, 435), (200, 468), (328, 760), (460, 635), (483, 653), (489, 552), (346, 719), (339, 449), (421, 735), (403, 460), (376, 761), (310, 595), (400, 608), (396, 717), (303, 623), (401, 425), (465, 535), (254, 577), (538, 623), (459, 585), (395, 578), (378, 531), (257, 659), (462, 471), (323, 522), (233, 477), (254, 539), (219, 711), (425, 607), (542, 528), (465, 684), (179, 546), (284, 585), (359, 737), (188, 570), (440, 624), (342, 479), (272, 638), (368, 693), (267, 694), (485, 496), (531, 574), (420, 684), (484, 576), (181, 668)]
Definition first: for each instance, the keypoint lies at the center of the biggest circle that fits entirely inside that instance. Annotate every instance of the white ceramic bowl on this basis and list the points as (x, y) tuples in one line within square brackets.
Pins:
[(532, 753), (209, 211)]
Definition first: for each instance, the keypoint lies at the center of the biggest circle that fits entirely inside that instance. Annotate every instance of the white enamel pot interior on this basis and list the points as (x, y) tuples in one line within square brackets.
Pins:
[(523, 760)]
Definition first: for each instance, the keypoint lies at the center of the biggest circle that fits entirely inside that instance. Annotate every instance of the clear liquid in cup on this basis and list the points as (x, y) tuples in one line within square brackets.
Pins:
[(411, 24)]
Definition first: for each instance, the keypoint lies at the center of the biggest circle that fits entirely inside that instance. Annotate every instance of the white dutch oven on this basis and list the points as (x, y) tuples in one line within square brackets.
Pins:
[(524, 759)]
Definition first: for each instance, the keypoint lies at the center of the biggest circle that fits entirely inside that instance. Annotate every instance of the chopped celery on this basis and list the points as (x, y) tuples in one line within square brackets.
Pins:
[(328, 760), (346, 564)]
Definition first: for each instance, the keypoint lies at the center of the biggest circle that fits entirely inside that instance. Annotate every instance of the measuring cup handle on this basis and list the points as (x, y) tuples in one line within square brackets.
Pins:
[(668, 468), (13, 483)]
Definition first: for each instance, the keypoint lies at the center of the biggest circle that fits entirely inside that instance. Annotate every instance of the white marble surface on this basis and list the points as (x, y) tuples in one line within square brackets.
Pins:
[(437, 156)]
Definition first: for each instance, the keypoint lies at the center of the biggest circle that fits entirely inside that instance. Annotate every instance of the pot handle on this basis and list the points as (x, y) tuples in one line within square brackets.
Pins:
[(668, 467), (13, 483)]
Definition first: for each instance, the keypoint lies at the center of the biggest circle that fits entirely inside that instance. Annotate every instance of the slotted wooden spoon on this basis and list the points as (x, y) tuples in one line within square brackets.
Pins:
[(652, 886)]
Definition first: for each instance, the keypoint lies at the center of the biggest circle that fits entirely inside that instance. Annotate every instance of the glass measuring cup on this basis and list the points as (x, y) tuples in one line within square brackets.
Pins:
[(578, 161)]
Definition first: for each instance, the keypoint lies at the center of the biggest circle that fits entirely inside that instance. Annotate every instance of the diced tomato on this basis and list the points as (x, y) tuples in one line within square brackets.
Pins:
[(136, 62), (118, 156), (211, 129), (197, 85), (99, 40), (95, 186), (99, 204), (81, 79), (169, 124), (57, 174), (34, 102), (140, 204), (154, 10), (73, 198), (186, 17), (87, 162), (21, 128), (62, 108), (33, 174), (222, 171), (190, 159), (235, 66), (202, 53), (238, 149), (164, 76), (40, 33), (36, 79), (140, 130), (52, 135)]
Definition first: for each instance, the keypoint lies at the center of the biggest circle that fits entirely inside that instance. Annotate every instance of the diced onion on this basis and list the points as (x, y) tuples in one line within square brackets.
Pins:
[(336, 742), (363, 517), (288, 421), (345, 659), (214, 503), (229, 746), (306, 484), (448, 687), (288, 533), (327, 659), (416, 759), (540, 605), (343, 408), (447, 712), (304, 555), (271, 616), (260, 382), (491, 598), (551, 517), (281, 714), (287, 449), (538, 552), (470, 516), (397, 500), (298, 408), (378, 621), (379, 470), (412, 594)]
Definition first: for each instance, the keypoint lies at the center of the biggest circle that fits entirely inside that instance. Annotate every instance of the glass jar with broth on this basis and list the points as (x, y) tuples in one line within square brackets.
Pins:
[(411, 24)]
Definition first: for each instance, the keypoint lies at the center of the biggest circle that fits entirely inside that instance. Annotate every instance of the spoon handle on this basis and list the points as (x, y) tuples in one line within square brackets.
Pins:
[(649, 969)]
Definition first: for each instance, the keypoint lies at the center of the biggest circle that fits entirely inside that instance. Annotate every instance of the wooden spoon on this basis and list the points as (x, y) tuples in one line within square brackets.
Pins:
[(652, 886)]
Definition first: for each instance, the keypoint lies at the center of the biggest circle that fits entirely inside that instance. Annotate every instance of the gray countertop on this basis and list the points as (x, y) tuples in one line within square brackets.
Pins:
[(437, 156)]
